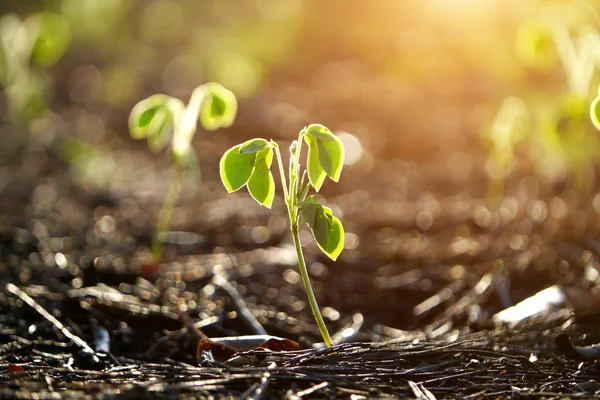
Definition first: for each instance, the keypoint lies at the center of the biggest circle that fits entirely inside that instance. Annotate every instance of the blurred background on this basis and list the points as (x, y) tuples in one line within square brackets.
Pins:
[(466, 125), (436, 98), (474, 91)]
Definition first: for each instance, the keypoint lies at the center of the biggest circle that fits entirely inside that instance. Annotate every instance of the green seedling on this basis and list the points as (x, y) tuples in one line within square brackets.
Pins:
[(249, 164), (27, 48), (553, 129), (162, 119)]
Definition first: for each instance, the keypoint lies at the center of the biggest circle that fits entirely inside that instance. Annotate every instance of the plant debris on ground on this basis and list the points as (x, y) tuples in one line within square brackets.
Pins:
[(85, 313)]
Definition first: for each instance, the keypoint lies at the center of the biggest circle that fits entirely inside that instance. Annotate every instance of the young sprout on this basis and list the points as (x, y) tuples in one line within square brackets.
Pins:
[(248, 164), (162, 119)]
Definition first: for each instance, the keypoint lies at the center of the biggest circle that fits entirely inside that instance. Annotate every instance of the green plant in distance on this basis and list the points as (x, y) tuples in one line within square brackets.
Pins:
[(249, 164), (510, 127), (162, 119)]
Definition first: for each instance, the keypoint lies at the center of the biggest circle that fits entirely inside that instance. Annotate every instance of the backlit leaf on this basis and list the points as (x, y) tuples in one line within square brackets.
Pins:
[(316, 173), (219, 107), (326, 228), (319, 132), (321, 227), (335, 239), (261, 184), (236, 168), (52, 37), (253, 146), (309, 210), (152, 118), (304, 192), (326, 149), (161, 130), (331, 156)]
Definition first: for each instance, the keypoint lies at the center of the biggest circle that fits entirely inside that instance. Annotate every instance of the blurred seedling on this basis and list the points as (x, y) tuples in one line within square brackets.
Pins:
[(554, 128), (162, 119), (27, 47), (249, 164), (509, 128), (568, 144)]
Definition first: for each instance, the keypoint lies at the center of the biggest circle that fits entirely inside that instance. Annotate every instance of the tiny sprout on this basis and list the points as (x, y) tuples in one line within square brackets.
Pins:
[(162, 119), (249, 164)]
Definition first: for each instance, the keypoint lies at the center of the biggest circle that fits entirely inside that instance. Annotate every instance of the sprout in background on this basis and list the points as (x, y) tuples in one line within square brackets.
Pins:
[(248, 164), (554, 127), (162, 119), (26, 48), (535, 45), (509, 128)]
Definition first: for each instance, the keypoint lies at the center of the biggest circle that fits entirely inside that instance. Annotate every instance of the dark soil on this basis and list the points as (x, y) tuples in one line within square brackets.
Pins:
[(410, 302)]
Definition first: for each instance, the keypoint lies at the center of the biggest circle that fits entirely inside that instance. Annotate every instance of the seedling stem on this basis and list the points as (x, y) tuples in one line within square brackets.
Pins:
[(291, 201)]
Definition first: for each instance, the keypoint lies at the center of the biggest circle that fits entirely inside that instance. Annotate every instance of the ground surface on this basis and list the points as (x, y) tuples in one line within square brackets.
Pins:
[(410, 302)]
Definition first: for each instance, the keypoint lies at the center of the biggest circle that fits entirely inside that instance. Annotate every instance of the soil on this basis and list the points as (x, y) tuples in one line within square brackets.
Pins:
[(429, 261)]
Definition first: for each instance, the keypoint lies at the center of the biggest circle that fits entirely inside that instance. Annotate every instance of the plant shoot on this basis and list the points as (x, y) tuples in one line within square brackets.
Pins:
[(162, 119), (249, 164)]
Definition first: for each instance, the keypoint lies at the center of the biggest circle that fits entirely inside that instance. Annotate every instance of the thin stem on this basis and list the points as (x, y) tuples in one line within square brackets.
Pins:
[(185, 123), (297, 182), (164, 216), (291, 201), (297, 171), (283, 181), (307, 286)]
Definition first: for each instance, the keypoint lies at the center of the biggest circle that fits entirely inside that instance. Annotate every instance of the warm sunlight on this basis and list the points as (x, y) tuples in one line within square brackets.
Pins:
[(299, 199)]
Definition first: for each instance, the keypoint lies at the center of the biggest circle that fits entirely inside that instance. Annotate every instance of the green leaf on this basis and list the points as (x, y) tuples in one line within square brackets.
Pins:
[(309, 210), (325, 149), (144, 121), (152, 118), (218, 108), (253, 146), (327, 230), (261, 184), (161, 130), (52, 35), (304, 193), (331, 156), (236, 168), (319, 132), (316, 173), (335, 239), (595, 112), (317, 219), (321, 227)]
